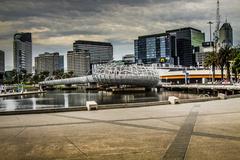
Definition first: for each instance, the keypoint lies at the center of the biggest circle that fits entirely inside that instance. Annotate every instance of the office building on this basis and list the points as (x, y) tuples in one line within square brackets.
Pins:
[(128, 59), (204, 50), (226, 35), (187, 42), (78, 62), (100, 52), (22, 52), (2, 66), (175, 47), (151, 48), (49, 62)]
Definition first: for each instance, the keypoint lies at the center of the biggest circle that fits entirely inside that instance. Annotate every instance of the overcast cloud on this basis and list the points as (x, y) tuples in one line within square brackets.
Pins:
[(56, 24)]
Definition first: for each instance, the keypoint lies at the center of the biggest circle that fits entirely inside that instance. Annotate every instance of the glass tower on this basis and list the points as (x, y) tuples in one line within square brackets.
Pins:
[(22, 48)]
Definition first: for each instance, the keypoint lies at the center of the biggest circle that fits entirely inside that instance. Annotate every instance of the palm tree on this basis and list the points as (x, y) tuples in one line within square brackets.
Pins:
[(227, 54), (221, 63), (211, 61), (236, 65)]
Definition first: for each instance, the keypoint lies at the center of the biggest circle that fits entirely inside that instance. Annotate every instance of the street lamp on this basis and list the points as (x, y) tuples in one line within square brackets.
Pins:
[(231, 65)]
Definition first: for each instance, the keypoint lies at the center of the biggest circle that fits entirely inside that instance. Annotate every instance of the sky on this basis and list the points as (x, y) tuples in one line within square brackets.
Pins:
[(56, 24)]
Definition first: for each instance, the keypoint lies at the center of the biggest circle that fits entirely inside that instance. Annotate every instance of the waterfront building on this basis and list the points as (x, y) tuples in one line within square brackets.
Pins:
[(151, 48), (2, 66), (193, 75), (187, 43), (78, 61), (49, 62), (128, 59), (204, 50), (226, 34), (22, 52), (175, 47), (100, 52)]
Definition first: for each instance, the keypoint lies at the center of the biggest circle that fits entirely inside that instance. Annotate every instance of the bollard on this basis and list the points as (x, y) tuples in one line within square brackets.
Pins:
[(91, 105), (222, 96), (173, 99)]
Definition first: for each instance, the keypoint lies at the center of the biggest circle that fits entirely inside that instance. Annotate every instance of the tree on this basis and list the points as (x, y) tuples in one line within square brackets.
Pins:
[(236, 65), (227, 54), (43, 75), (58, 74), (211, 61), (35, 79), (71, 73)]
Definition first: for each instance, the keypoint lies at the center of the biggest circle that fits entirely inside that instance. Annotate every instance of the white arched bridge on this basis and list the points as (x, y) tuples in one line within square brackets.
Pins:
[(114, 74)]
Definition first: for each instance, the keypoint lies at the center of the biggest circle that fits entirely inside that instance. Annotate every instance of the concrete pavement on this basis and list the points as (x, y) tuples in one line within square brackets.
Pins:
[(205, 130)]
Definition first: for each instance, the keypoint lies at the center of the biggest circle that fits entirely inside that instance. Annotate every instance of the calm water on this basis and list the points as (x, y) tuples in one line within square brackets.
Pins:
[(65, 99)]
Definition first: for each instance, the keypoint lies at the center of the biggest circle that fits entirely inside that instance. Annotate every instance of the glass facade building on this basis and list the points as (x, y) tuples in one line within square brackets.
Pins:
[(151, 48), (22, 51), (187, 43), (226, 34), (2, 66), (176, 47)]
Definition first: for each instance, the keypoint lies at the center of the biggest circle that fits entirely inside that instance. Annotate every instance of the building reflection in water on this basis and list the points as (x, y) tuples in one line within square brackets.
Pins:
[(62, 99)]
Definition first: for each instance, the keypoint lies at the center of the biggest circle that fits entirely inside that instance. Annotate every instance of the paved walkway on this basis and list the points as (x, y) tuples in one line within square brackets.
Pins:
[(207, 130)]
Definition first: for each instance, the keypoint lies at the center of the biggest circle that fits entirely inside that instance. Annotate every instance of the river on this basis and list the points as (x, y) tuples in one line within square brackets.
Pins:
[(76, 98)]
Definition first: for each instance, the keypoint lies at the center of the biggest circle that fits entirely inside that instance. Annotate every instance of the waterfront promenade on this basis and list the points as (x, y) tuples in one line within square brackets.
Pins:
[(204, 130)]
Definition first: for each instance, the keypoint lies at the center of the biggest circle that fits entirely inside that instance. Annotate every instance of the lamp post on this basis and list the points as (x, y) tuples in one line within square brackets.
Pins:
[(210, 34), (231, 65)]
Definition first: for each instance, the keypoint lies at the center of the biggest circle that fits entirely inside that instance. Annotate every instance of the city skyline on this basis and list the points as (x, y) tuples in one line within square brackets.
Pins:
[(56, 25)]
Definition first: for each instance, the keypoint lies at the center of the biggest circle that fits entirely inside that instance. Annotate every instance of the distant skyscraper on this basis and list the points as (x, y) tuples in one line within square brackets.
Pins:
[(78, 62), (22, 51), (100, 52), (2, 66), (49, 62), (226, 34), (187, 42), (150, 48)]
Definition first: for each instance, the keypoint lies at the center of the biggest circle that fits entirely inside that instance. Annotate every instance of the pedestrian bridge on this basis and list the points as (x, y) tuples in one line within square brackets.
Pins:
[(114, 74)]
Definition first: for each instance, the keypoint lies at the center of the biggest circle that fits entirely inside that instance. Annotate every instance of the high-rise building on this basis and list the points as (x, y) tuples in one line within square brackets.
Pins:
[(49, 62), (100, 52), (151, 48), (187, 42), (2, 66), (22, 51), (226, 34), (78, 62), (205, 49), (176, 47)]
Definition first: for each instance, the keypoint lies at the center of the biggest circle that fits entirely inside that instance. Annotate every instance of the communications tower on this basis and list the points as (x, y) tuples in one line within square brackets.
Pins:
[(216, 33)]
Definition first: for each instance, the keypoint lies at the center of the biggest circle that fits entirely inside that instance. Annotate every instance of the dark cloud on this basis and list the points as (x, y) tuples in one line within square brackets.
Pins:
[(60, 22)]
